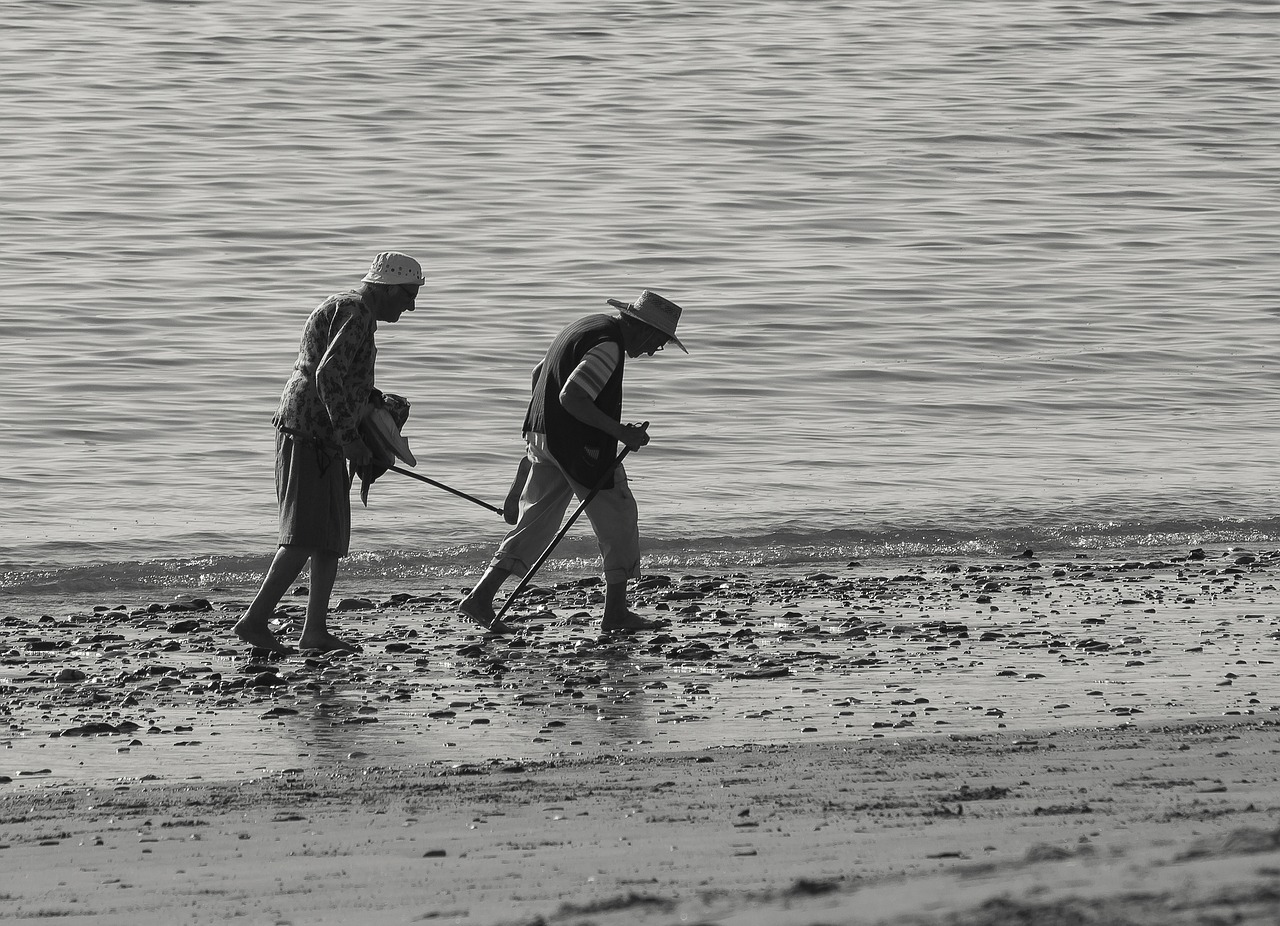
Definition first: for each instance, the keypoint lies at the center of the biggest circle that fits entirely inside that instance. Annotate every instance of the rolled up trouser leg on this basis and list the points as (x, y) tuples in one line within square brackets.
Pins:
[(543, 501), (615, 520)]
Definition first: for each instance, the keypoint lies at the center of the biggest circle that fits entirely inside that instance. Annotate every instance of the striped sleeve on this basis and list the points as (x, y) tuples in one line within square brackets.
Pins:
[(596, 368)]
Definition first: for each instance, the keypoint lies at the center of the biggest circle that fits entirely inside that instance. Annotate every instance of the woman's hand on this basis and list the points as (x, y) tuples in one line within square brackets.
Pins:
[(357, 452)]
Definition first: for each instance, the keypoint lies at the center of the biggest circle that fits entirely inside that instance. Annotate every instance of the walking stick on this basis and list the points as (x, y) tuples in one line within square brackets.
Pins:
[(441, 485), (528, 576)]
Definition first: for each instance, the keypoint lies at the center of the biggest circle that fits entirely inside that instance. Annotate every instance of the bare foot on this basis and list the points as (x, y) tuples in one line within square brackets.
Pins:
[(628, 620), (259, 636), (326, 643), (484, 615)]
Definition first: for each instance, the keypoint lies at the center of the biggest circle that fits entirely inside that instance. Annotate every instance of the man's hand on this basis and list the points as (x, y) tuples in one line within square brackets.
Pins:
[(358, 452), (580, 405), (634, 436)]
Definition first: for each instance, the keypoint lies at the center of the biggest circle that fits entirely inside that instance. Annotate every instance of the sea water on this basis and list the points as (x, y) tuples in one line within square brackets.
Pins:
[(958, 276)]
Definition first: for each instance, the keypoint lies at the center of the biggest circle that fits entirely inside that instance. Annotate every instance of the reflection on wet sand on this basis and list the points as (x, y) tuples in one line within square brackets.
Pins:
[(777, 657), (591, 696)]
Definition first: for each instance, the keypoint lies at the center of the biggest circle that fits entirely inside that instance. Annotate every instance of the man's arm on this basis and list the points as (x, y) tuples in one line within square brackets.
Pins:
[(580, 404)]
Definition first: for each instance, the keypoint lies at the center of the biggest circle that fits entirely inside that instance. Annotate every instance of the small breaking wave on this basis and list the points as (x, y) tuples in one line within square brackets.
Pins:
[(402, 569)]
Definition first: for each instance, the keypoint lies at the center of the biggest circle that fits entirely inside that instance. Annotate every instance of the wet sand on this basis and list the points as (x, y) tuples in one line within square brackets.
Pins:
[(945, 741)]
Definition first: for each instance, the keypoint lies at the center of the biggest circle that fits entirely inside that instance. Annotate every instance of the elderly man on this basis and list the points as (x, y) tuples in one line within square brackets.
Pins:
[(317, 428), (572, 431)]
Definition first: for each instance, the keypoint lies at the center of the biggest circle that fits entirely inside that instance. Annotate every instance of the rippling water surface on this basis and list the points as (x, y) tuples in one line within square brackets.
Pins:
[(957, 275)]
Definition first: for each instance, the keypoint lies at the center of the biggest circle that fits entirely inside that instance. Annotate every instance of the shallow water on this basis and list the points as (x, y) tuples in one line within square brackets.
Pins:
[(959, 276)]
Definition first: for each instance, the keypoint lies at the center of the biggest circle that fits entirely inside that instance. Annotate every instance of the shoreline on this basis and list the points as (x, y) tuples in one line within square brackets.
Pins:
[(969, 744), (775, 655)]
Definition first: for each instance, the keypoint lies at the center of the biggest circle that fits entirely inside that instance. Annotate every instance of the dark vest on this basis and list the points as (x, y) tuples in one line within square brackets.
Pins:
[(586, 453)]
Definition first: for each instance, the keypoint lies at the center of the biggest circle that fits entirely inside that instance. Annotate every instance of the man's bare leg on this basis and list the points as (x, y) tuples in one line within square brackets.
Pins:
[(477, 606), (617, 614), (253, 627)]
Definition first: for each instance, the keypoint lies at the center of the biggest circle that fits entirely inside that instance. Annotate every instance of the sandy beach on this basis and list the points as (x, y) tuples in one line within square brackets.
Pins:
[(1087, 738), (957, 280)]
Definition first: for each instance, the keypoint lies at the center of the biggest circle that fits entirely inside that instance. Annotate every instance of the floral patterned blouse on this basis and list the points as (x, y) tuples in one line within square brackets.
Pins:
[(326, 396)]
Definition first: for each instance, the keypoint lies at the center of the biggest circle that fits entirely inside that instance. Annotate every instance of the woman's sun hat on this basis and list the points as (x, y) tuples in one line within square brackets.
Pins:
[(655, 311), (382, 436), (392, 267)]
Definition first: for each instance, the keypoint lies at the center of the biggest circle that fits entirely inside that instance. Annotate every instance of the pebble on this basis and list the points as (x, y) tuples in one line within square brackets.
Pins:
[(754, 635)]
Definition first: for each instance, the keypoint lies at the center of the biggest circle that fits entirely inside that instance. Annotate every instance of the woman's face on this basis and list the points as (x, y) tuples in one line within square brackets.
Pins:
[(395, 300)]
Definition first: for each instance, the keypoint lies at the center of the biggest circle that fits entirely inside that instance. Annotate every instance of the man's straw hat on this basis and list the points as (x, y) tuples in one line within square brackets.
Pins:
[(655, 311)]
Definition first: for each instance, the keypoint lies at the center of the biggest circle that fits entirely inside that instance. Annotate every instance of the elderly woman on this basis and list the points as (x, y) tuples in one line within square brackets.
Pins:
[(317, 428)]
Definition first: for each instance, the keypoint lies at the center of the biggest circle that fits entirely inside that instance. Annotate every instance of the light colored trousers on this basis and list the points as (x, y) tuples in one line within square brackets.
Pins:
[(612, 513)]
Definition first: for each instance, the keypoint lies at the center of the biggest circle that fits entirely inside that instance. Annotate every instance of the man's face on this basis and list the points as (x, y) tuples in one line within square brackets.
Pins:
[(648, 342)]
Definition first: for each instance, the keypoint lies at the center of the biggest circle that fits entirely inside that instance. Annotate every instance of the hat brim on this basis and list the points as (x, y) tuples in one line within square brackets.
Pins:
[(628, 309), (383, 437), (387, 281), (677, 342)]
